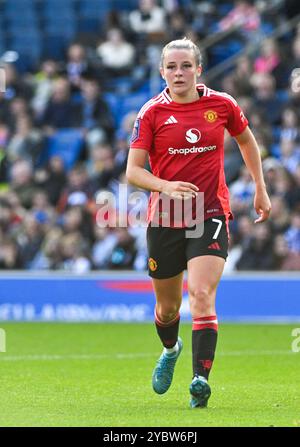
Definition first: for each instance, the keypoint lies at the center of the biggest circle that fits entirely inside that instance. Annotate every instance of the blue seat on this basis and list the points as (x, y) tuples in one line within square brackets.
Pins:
[(275, 150), (21, 31), (124, 5), (89, 24), (15, 15), (66, 30), (68, 144), (276, 131), (12, 7), (54, 47), (94, 8), (113, 102), (58, 13), (48, 6)]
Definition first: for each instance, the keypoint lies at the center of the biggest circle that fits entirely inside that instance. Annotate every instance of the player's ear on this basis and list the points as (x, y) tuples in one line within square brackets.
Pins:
[(199, 70), (162, 73)]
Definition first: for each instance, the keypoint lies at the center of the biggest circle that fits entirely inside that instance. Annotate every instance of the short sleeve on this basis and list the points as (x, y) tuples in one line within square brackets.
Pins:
[(142, 134), (236, 122)]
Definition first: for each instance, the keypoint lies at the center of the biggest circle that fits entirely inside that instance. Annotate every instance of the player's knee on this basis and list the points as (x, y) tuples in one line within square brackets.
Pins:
[(201, 300), (167, 312)]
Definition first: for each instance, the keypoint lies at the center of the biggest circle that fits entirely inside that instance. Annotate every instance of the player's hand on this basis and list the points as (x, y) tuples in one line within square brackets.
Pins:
[(180, 190), (262, 204)]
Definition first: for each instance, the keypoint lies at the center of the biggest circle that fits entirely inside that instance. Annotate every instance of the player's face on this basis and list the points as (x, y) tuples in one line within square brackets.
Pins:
[(180, 72)]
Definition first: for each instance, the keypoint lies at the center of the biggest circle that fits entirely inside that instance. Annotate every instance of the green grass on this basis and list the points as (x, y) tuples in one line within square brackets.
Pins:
[(100, 375)]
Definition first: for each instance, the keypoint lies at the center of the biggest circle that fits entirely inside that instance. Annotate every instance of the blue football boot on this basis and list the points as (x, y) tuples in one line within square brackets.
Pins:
[(200, 392), (163, 372)]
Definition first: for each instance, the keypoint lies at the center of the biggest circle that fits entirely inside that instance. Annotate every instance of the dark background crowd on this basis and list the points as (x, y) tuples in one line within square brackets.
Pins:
[(77, 72)]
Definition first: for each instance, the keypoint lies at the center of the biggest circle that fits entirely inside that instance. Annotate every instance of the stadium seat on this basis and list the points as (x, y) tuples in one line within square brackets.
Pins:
[(54, 46), (27, 14), (89, 25), (275, 150), (94, 8), (124, 5), (65, 12), (19, 32), (64, 29), (67, 143), (10, 6)]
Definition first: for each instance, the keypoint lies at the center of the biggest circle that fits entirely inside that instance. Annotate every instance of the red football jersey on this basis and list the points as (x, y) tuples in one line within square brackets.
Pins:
[(186, 143)]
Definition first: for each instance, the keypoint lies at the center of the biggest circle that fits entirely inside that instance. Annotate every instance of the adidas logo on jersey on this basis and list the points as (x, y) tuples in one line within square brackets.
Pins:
[(171, 120)]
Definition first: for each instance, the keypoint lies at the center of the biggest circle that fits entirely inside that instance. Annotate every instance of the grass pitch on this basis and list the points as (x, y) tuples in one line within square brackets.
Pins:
[(100, 375)]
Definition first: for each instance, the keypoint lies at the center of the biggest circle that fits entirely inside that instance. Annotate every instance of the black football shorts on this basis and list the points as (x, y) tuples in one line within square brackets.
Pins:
[(169, 249)]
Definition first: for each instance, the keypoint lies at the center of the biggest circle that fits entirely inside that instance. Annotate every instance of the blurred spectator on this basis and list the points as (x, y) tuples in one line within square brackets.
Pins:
[(18, 108), (257, 253), (43, 210), (269, 57), (76, 65), (242, 192), (289, 154), (106, 240), (117, 55), (177, 24), (22, 182), (94, 114), (74, 254), (6, 216), (26, 142), (233, 159), (101, 166), (15, 84), (60, 112), (77, 217), (52, 178), (292, 235), (280, 217), (289, 124), (149, 18), (243, 16), (9, 255), (77, 181), (124, 251), (30, 238), (49, 256), (284, 259), (265, 97), (4, 110), (4, 136), (43, 83), (293, 196), (241, 77)]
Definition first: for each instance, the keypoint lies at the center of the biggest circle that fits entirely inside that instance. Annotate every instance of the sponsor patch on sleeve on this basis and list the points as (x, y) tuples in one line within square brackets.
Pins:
[(136, 130)]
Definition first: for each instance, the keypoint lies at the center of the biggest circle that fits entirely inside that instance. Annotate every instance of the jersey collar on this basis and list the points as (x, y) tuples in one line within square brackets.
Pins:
[(200, 87)]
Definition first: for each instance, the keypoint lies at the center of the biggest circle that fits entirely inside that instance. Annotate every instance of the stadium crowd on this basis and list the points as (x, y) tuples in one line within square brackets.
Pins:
[(49, 215)]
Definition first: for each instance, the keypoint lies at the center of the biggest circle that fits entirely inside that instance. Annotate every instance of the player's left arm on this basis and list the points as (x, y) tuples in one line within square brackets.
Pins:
[(251, 155)]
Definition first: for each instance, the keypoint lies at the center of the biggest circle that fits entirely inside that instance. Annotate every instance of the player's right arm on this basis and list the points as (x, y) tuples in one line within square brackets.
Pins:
[(139, 176)]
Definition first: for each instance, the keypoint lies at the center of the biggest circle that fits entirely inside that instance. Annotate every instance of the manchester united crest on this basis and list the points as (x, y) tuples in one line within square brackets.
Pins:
[(152, 264), (210, 116)]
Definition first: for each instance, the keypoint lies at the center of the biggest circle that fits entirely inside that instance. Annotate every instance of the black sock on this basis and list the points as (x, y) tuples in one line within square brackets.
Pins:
[(204, 341), (168, 332)]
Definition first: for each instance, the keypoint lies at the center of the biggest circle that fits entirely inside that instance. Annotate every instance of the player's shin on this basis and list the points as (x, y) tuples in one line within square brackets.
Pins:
[(168, 332), (204, 341)]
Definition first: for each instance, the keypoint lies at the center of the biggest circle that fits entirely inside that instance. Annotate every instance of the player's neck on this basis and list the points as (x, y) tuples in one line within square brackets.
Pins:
[(190, 96)]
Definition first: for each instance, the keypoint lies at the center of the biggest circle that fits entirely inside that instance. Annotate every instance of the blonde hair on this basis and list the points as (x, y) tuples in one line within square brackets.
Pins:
[(182, 44)]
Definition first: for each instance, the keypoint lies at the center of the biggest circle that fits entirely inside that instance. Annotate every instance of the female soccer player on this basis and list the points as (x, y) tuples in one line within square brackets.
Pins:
[(182, 132)]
